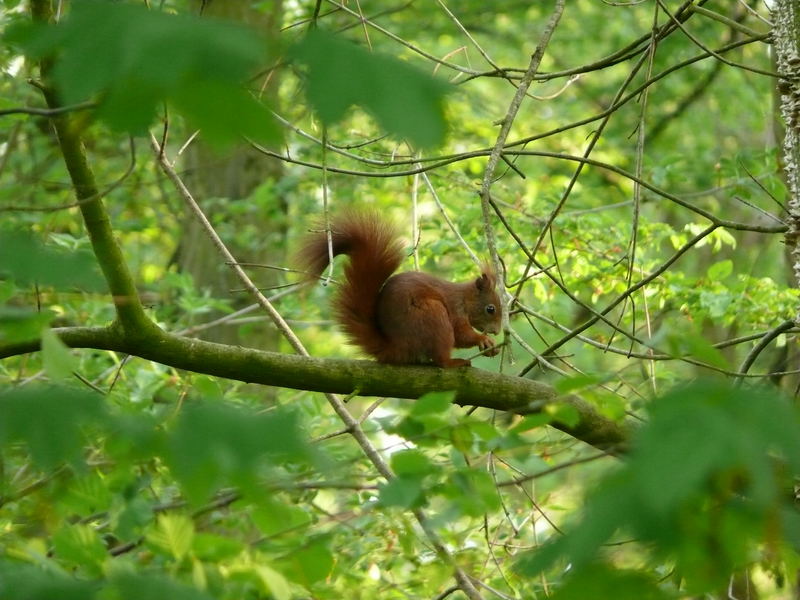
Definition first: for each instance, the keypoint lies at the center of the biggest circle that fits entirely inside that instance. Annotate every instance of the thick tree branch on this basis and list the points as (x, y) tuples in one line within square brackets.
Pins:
[(130, 313), (473, 387)]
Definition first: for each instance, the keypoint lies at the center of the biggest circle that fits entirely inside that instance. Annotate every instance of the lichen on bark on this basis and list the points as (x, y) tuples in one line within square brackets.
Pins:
[(786, 46)]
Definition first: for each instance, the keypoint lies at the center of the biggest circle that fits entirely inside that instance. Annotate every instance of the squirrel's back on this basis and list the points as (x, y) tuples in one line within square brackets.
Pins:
[(375, 252)]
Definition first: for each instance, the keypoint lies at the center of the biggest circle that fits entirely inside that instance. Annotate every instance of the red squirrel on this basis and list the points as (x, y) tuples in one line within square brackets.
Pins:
[(408, 318)]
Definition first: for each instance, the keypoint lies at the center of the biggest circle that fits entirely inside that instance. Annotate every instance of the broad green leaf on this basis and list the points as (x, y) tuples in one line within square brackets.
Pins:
[(137, 514), (273, 582), (576, 382), (133, 59), (26, 260), (215, 548), (432, 403), (412, 463), (243, 115), (566, 414), (720, 270), (134, 586), (87, 494), (81, 546), (403, 492), (59, 363), (49, 419), (274, 516), (472, 492), (22, 581), (600, 581), (173, 533), (405, 101), (701, 485), (694, 344), (216, 444), (310, 562), (532, 422), (19, 324)]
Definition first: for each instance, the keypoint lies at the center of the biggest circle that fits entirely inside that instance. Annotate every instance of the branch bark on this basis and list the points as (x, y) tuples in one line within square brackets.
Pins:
[(473, 387), (786, 42)]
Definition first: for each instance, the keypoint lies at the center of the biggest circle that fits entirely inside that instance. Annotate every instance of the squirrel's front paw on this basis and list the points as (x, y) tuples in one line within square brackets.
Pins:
[(486, 345)]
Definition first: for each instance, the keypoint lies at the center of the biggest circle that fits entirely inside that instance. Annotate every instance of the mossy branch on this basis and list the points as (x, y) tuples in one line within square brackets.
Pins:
[(130, 314), (473, 387)]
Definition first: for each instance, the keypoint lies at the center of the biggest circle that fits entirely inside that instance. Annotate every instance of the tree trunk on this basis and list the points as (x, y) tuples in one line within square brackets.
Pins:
[(786, 45), (219, 180)]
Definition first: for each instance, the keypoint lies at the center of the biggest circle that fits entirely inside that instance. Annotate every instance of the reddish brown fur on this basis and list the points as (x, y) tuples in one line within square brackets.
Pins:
[(407, 318)]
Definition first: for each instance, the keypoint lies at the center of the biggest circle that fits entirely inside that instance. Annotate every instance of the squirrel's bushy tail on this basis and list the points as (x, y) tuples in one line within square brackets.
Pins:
[(375, 253)]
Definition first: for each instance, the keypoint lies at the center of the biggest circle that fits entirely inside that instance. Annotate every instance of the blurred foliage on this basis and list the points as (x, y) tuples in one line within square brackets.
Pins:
[(122, 478)]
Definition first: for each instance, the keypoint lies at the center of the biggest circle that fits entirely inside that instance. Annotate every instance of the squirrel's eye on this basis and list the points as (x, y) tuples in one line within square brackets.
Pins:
[(490, 309)]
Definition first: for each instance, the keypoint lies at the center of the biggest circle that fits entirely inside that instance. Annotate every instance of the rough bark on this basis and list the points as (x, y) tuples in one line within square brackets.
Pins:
[(221, 179), (786, 45), (472, 387)]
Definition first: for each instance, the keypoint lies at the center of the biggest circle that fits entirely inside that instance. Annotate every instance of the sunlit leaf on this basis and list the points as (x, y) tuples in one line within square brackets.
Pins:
[(173, 533), (58, 361), (720, 270), (404, 100), (80, 545)]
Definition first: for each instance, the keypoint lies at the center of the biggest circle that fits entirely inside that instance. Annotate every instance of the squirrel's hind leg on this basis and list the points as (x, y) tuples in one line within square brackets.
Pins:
[(435, 334)]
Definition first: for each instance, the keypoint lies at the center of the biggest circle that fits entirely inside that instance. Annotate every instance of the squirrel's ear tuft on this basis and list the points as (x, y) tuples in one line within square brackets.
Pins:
[(487, 280)]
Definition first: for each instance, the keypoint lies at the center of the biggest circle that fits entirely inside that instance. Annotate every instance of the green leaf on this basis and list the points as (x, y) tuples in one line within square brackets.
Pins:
[(81, 546), (532, 422), (576, 382), (720, 270), (273, 583), (405, 101), (566, 414), (274, 517), (173, 534), (243, 115), (137, 514), (56, 357), (600, 581), (310, 563), (402, 492), (472, 492), (215, 548), (133, 59), (216, 444), (412, 463), (701, 485), (19, 324), (432, 403), (26, 260), (133, 586), (20, 581), (689, 342), (49, 419)]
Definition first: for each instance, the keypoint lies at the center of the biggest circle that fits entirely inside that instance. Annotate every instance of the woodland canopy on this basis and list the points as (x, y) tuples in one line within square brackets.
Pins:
[(181, 417)]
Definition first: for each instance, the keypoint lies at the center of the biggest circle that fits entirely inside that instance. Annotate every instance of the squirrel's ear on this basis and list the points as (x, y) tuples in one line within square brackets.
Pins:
[(482, 282)]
